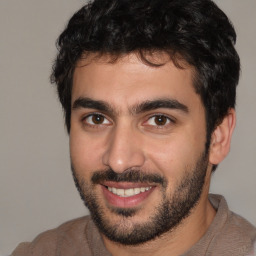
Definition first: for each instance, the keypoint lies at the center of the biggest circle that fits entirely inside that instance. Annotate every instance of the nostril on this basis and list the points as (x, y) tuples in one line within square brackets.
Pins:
[(124, 150)]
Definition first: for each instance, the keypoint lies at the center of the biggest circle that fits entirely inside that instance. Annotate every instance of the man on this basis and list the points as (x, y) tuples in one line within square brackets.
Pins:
[(148, 89)]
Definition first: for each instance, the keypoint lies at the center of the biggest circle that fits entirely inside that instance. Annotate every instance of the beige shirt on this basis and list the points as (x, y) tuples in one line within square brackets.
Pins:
[(228, 235)]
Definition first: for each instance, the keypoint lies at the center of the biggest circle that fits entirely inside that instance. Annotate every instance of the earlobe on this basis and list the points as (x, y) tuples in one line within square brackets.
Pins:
[(221, 138)]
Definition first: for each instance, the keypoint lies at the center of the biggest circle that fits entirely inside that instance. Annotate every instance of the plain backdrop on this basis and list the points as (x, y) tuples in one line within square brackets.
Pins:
[(36, 186)]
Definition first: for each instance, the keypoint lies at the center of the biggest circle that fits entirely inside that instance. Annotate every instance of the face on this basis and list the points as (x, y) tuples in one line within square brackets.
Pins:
[(137, 144)]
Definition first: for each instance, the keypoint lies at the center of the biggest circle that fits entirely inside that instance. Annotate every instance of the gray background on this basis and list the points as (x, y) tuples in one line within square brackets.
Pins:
[(36, 187)]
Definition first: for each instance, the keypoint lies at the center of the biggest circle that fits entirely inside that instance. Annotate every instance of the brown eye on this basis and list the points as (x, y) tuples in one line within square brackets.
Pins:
[(96, 119), (160, 120)]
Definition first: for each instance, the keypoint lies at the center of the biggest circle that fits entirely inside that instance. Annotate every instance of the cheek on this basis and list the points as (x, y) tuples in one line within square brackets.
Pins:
[(85, 152), (173, 156)]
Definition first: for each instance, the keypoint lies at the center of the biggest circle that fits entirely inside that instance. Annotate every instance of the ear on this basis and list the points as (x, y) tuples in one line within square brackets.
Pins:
[(221, 138)]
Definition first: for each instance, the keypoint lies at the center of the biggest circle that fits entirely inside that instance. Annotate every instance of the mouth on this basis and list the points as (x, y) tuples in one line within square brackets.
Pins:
[(128, 192), (125, 194)]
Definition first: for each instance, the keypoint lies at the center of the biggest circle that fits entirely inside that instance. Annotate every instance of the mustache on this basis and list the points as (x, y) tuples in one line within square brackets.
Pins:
[(136, 176)]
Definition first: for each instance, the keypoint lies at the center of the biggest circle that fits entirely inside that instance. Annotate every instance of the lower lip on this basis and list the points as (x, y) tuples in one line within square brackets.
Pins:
[(125, 202)]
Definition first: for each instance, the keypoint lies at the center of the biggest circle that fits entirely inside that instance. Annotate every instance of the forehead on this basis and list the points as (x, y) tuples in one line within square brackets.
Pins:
[(128, 80)]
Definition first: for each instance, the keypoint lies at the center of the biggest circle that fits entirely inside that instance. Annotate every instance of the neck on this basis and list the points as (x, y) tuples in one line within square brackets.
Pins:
[(174, 242)]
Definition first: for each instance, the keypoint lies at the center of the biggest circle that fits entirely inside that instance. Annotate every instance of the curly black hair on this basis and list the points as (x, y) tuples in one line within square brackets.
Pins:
[(196, 31)]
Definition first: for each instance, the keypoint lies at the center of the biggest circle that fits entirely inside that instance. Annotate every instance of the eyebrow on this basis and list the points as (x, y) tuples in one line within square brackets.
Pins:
[(83, 102), (159, 103), (93, 104)]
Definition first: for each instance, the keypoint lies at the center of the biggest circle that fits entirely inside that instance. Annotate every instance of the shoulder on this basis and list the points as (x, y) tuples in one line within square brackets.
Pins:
[(235, 235), (253, 250), (240, 233), (69, 235), (238, 225)]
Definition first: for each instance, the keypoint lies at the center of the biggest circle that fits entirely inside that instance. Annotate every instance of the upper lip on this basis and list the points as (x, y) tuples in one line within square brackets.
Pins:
[(125, 185)]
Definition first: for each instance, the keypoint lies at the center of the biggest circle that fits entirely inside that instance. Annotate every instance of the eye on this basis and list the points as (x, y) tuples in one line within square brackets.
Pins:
[(158, 120), (96, 119)]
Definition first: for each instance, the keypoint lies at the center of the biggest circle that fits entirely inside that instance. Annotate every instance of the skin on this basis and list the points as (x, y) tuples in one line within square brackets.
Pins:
[(125, 139)]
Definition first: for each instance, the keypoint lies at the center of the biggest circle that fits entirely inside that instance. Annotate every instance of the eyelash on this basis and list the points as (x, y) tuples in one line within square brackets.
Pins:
[(91, 116), (168, 119)]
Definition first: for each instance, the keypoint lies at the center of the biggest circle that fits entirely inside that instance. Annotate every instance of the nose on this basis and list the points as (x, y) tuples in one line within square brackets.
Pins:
[(124, 150)]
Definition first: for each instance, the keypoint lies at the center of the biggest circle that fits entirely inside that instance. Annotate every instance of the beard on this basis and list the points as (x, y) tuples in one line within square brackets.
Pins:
[(168, 214)]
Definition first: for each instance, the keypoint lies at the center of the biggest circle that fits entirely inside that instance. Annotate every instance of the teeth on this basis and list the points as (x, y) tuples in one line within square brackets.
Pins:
[(120, 192), (128, 192), (137, 191)]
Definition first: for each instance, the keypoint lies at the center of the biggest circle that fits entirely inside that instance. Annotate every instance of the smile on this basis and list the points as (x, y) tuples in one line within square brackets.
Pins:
[(128, 192)]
